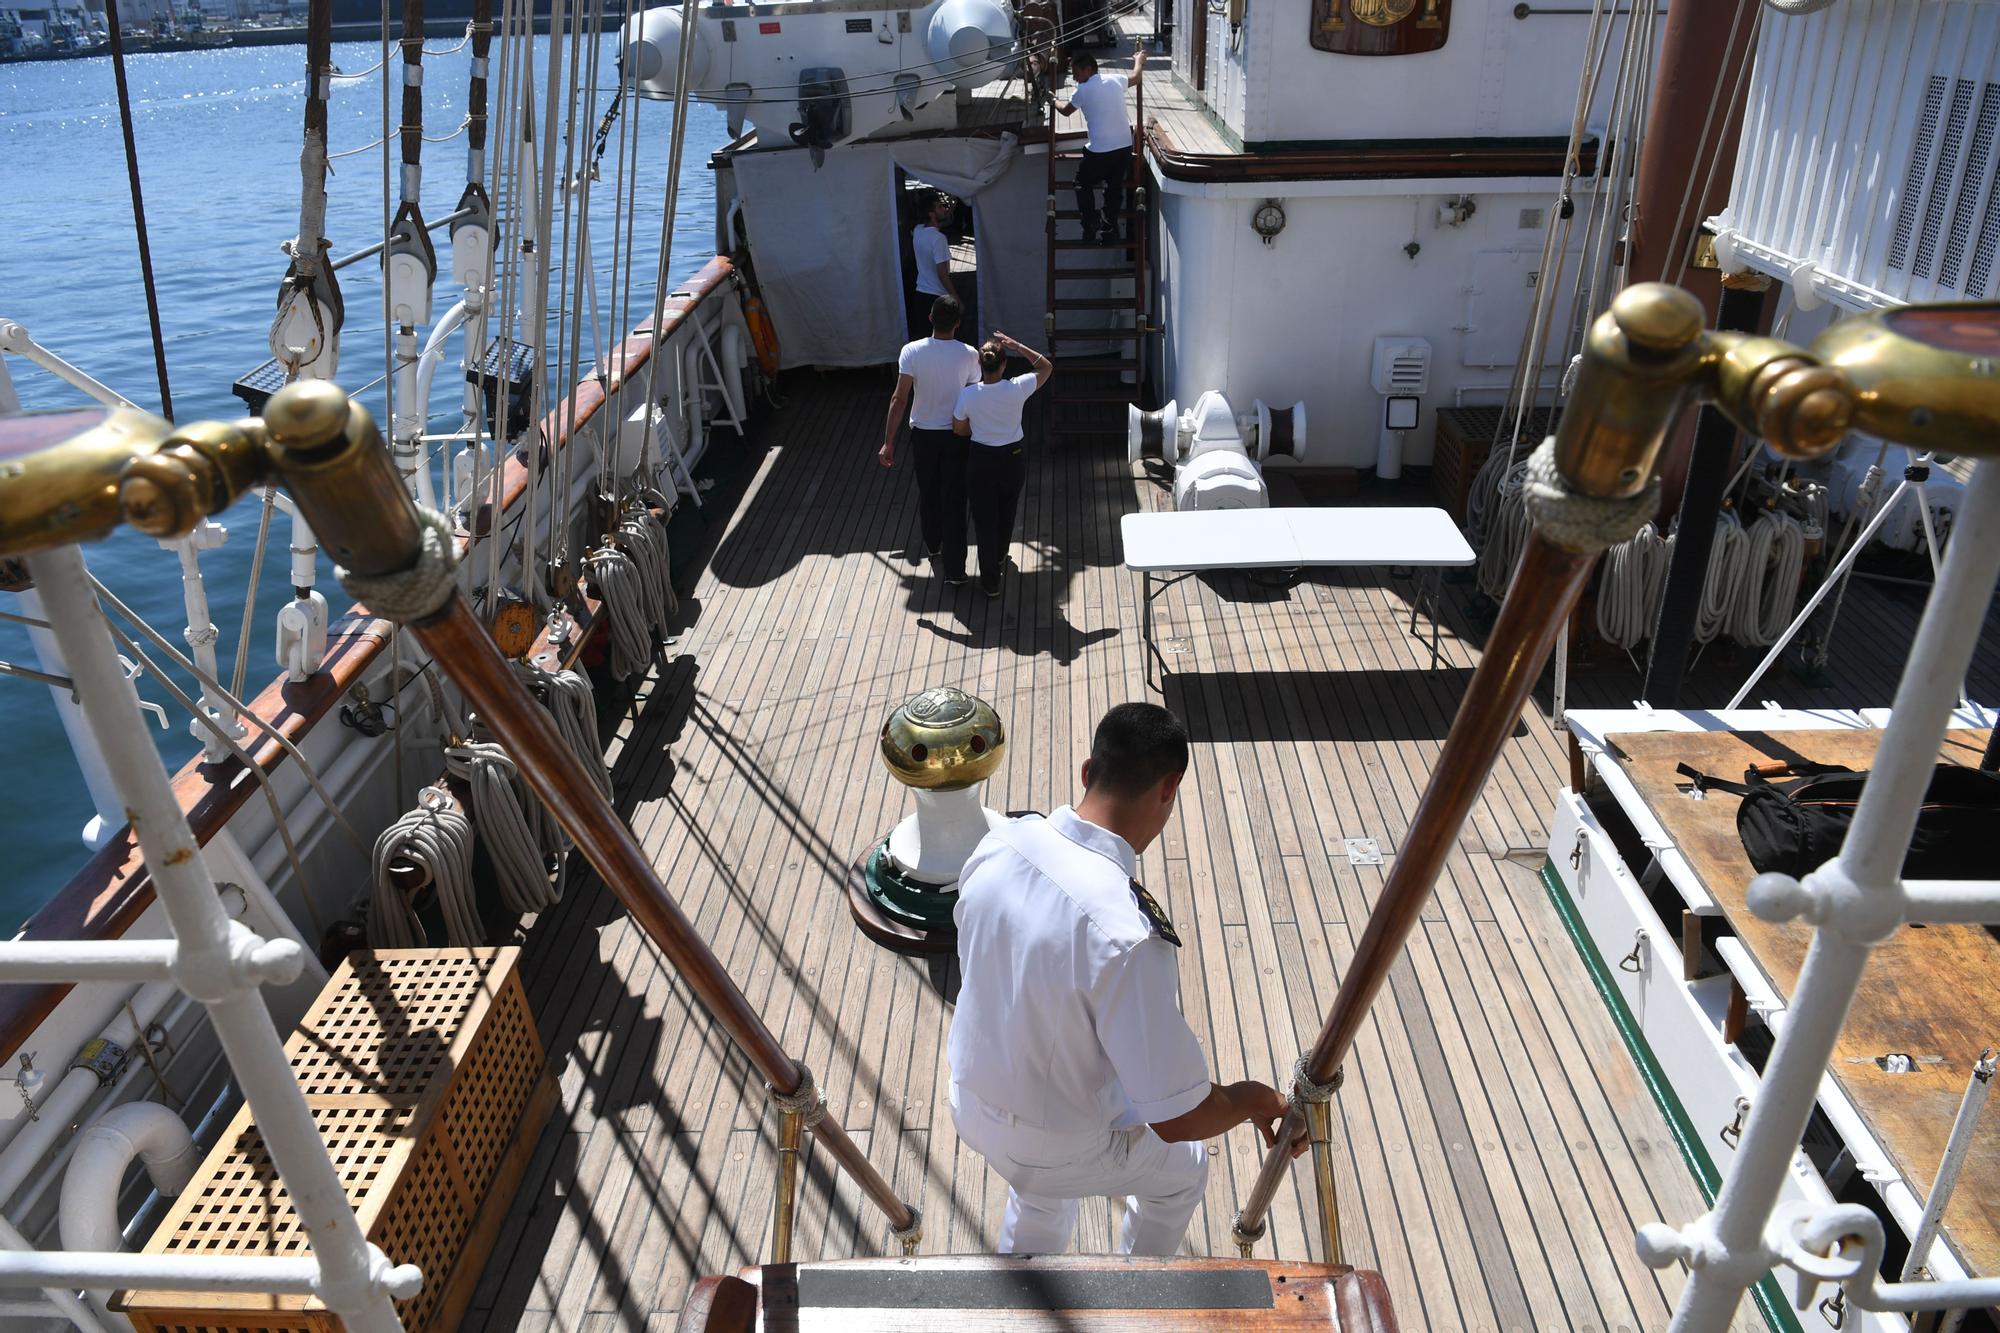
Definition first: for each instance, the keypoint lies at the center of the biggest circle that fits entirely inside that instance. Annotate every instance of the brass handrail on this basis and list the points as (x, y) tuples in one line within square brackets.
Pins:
[(1924, 376), (77, 478)]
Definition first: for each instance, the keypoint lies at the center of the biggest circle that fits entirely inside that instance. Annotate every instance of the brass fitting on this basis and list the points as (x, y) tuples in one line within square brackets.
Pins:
[(196, 472), (59, 473), (1641, 359), (332, 458)]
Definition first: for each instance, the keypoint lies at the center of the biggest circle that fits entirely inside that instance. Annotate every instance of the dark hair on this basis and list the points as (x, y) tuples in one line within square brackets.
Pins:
[(992, 357), (1135, 746), (933, 199), (1084, 61), (945, 314)]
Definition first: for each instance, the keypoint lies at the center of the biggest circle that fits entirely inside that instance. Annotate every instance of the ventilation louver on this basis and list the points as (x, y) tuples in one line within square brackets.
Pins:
[(1942, 234)]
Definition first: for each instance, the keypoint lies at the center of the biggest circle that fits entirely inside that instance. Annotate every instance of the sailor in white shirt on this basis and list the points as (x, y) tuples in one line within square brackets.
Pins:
[(930, 372), (1072, 1070), (996, 467), (1107, 151), (930, 249)]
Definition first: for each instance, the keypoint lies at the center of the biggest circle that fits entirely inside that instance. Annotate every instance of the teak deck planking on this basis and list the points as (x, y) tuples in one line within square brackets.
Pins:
[(1496, 1149), (1930, 992)]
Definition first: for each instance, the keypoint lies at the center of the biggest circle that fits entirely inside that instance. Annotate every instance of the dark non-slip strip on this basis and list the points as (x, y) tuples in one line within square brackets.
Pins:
[(1068, 1289)]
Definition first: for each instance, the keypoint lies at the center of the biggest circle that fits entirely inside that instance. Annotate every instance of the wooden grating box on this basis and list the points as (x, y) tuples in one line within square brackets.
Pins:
[(425, 1075), (1465, 437)]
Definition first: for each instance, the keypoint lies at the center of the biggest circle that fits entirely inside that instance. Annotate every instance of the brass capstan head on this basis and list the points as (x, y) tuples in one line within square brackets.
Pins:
[(943, 740)]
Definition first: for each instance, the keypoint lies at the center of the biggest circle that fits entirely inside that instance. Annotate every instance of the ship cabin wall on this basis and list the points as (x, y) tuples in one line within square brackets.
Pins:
[(1495, 76), (1297, 320)]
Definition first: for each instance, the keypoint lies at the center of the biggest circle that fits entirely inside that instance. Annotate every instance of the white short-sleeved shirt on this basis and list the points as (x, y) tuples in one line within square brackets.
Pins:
[(1068, 1017), (1101, 98), (938, 368), (930, 248), (995, 409)]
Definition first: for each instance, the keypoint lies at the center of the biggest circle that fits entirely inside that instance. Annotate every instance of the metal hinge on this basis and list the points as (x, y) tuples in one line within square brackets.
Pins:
[(103, 1058)]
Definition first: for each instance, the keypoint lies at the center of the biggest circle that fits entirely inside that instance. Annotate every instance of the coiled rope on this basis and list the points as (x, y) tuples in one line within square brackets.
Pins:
[(1506, 528), (1629, 588), (520, 837), (1725, 567), (634, 581), (1767, 588), (437, 840), (573, 705)]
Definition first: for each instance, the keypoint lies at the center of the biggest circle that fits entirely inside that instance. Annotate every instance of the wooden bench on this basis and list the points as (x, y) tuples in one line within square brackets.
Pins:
[(1073, 1293), (1289, 539)]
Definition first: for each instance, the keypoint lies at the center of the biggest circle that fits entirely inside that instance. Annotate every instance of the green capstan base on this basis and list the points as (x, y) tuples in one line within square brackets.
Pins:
[(896, 911)]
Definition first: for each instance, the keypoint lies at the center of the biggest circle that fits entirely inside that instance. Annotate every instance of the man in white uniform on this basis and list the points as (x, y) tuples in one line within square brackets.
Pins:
[(929, 374), (930, 248), (1107, 151), (1072, 1070)]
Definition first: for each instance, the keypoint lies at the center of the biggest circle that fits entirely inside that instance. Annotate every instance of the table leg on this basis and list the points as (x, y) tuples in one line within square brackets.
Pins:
[(1146, 632), (1437, 591)]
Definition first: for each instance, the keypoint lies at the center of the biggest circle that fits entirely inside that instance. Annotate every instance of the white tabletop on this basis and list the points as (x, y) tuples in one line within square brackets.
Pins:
[(1292, 538)]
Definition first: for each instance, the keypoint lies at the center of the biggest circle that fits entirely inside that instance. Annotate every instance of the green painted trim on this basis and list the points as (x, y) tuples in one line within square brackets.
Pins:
[(1770, 1300)]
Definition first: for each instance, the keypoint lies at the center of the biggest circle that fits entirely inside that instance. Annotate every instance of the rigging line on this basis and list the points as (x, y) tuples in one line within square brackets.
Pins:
[(235, 703), (241, 756), (548, 184), (1701, 142), (585, 178), (506, 186), (138, 205), (573, 181), (388, 308), (660, 276), (1735, 99)]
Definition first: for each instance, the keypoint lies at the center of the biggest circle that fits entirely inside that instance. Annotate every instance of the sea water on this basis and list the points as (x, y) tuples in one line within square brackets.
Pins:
[(218, 136)]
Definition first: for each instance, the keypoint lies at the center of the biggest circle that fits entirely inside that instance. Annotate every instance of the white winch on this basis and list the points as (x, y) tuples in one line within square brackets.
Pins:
[(1217, 455)]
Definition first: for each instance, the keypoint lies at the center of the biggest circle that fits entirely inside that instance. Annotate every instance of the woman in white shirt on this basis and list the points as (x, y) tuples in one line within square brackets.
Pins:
[(989, 412)]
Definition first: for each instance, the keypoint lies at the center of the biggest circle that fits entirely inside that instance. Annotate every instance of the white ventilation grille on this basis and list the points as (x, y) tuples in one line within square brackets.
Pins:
[(1869, 171), (1402, 366)]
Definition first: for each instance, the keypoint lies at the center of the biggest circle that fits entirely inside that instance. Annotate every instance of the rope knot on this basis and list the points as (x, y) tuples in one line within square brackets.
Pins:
[(806, 1100), (1576, 522), (1305, 1092), (419, 591)]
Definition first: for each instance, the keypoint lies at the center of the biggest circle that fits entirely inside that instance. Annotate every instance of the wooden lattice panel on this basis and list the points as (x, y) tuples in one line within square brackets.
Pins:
[(426, 1080)]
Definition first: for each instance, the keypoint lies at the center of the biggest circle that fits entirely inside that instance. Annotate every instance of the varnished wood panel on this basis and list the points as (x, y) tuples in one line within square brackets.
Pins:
[(1928, 991)]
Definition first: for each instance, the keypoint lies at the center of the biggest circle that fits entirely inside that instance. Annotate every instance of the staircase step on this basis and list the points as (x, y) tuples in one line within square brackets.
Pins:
[(1096, 335), (1072, 214), (1117, 271), (1092, 364), (1101, 396), (1095, 245), (1095, 302)]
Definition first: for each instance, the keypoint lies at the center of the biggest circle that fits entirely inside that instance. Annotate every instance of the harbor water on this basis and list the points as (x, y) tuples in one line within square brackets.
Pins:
[(218, 136)]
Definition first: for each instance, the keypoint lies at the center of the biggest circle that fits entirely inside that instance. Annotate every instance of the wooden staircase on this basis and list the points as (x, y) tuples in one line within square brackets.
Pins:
[(1088, 394), (1075, 1293)]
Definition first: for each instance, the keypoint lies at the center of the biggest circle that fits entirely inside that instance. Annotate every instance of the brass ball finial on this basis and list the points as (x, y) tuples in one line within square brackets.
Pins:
[(943, 740), (1658, 317), (159, 495), (1803, 409), (306, 414)]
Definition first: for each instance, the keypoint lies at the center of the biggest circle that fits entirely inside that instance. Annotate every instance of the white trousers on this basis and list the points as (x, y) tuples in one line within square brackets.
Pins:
[(1160, 1182)]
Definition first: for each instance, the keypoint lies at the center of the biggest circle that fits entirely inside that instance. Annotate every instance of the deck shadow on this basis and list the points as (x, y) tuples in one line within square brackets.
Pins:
[(1348, 705)]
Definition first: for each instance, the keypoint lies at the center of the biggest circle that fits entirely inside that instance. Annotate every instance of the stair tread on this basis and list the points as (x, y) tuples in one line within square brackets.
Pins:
[(1096, 335), (1096, 245), (1124, 271), (1095, 302)]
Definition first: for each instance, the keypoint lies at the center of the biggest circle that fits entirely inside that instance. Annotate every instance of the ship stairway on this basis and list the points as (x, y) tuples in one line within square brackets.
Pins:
[(1096, 323), (1042, 1294)]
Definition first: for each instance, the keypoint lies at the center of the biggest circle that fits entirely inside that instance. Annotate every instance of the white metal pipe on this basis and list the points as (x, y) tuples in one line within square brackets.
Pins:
[(87, 1216), (176, 1272), (201, 635), (1826, 587), (353, 1287), (59, 1110), (305, 552), (42, 961), (1953, 1163), (257, 893), (1961, 902), (15, 339), (411, 414), (14, 1245), (110, 815), (1863, 903)]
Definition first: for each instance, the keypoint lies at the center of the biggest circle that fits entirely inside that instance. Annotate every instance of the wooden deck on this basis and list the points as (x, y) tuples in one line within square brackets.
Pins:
[(1497, 1148)]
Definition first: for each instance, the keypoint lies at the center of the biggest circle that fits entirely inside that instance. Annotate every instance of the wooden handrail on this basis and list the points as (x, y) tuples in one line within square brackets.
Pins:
[(112, 889)]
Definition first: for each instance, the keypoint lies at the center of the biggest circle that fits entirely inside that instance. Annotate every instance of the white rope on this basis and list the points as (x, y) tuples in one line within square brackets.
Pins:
[(1725, 570), (573, 705), (620, 592), (1763, 598), (1629, 588), (1507, 531), (519, 835), (437, 840), (418, 591)]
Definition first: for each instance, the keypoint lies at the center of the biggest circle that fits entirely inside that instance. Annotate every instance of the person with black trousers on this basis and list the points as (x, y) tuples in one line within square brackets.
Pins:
[(989, 414), (1107, 151), (930, 373)]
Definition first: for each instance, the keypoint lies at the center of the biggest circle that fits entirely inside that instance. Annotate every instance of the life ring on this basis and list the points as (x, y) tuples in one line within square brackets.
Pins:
[(763, 334)]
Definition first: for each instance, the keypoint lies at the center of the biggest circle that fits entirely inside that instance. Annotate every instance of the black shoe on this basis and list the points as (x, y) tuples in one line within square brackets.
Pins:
[(990, 589), (1108, 236), (957, 580)]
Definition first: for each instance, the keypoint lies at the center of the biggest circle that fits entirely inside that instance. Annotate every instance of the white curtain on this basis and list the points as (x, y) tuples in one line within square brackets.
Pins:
[(827, 245)]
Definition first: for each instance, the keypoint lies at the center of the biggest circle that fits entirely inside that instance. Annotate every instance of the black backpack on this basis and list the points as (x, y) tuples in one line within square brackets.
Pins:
[(1796, 825)]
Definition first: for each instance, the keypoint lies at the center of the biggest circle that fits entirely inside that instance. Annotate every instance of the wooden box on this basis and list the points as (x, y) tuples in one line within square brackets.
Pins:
[(425, 1074), (1465, 437)]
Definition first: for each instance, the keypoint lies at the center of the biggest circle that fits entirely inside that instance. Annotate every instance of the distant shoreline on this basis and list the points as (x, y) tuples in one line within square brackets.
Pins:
[(286, 36)]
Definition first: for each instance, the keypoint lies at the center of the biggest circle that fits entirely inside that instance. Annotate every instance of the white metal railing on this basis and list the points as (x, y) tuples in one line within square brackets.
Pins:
[(1853, 902), (1870, 149), (222, 965)]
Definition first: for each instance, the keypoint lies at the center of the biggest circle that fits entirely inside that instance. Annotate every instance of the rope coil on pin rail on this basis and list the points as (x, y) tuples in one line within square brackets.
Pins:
[(520, 837), (437, 841), (573, 704)]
